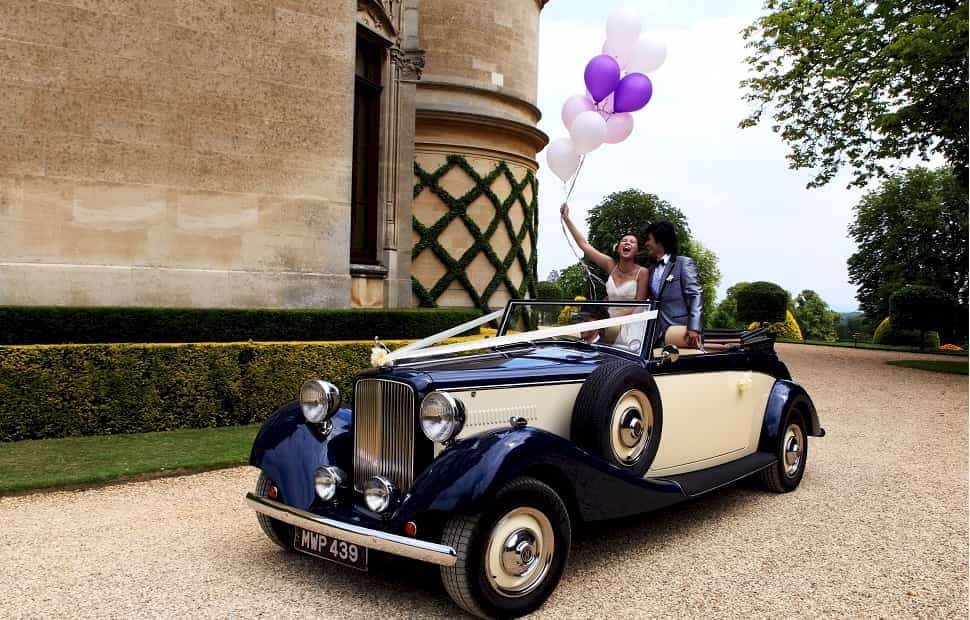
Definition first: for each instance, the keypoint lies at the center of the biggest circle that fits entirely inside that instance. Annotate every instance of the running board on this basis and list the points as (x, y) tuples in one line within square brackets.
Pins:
[(705, 480)]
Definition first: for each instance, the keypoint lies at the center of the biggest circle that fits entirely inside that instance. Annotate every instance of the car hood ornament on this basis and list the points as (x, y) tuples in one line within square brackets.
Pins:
[(379, 354)]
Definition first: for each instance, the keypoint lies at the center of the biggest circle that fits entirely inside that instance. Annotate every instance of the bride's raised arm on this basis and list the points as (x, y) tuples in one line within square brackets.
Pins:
[(601, 260)]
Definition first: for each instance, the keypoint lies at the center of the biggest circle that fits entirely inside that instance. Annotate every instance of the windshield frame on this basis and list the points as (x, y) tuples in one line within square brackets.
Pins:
[(646, 350)]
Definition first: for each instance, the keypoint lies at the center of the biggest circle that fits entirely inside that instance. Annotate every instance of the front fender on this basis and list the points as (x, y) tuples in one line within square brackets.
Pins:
[(784, 396), (465, 477), (290, 450)]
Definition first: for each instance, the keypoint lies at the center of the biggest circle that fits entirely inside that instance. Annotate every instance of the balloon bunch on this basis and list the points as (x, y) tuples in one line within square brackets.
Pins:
[(616, 85)]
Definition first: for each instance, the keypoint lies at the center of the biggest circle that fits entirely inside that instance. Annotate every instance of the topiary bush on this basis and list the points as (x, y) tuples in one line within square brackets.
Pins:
[(59, 325), (920, 308), (762, 302), (787, 329), (885, 334)]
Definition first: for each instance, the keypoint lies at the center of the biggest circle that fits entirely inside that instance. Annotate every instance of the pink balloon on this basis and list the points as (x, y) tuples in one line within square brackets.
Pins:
[(618, 127), (574, 106)]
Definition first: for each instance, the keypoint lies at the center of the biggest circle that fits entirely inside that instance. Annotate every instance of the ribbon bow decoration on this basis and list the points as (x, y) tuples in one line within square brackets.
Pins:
[(378, 354)]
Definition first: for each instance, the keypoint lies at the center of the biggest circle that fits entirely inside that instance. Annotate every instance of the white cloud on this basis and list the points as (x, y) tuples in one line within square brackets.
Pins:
[(741, 199)]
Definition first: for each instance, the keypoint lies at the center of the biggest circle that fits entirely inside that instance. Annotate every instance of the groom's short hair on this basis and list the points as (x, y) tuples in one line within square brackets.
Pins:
[(665, 234)]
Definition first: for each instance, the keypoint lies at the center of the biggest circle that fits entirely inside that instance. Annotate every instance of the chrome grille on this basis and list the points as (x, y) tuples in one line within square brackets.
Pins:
[(384, 432)]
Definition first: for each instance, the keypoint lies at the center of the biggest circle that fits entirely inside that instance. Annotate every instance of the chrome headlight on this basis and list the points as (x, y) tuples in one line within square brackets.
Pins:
[(326, 481), (319, 400), (442, 416), (378, 493)]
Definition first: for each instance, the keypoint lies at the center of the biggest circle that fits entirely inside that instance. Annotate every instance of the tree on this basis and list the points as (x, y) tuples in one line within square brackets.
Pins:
[(572, 282), (632, 211), (912, 230), (853, 82), (920, 308), (762, 302), (816, 320), (726, 313)]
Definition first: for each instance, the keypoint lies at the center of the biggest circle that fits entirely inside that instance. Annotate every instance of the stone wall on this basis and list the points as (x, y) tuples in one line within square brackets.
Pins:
[(176, 152)]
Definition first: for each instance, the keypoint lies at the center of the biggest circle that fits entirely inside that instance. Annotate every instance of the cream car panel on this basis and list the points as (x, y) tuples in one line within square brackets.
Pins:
[(709, 419), (548, 406)]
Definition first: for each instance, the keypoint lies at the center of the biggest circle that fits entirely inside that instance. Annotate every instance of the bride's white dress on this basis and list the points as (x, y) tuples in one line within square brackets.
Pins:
[(631, 335)]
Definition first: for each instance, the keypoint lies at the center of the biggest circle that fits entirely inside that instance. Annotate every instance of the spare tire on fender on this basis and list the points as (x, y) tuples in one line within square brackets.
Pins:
[(619, 417)]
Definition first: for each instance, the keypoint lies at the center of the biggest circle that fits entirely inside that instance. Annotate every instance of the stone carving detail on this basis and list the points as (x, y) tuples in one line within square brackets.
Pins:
[(381, 16), (410, 62)]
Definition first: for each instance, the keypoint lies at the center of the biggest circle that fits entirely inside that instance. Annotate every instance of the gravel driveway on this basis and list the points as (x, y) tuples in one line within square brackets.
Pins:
[(877, 528)]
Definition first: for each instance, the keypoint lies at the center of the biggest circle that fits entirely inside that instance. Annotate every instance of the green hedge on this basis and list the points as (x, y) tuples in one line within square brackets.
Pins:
[(50, 391), (57, 325), (885, 334)]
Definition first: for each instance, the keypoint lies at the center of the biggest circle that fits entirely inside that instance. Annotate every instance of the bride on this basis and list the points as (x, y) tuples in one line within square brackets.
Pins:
[(627, 280)]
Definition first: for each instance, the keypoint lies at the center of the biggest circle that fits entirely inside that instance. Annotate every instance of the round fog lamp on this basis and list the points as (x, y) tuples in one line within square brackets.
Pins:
[(319, 400), (378, 493), (442, 416), (326, 481)]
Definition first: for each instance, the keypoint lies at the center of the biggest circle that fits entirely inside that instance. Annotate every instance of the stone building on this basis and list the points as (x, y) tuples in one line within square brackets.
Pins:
[(268, 153)]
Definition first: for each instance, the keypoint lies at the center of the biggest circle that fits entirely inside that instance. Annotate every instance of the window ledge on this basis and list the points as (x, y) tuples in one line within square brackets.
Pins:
[(368, 271)]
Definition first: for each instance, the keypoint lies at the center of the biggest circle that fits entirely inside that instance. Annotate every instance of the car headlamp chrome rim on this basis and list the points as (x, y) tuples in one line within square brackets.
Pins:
[(378, 493), (319, 400), (327, 480), (442, 416)]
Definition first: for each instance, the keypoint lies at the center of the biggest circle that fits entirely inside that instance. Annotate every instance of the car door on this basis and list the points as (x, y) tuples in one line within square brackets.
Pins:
[(710, 417)]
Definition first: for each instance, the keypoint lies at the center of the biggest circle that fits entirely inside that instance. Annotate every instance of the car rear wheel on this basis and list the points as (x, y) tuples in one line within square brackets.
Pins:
[(277, 531), (511, 557), (792, 451), (618, 415)]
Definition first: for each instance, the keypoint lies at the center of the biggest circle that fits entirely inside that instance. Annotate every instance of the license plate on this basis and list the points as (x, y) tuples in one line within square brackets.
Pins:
[(330, 548)]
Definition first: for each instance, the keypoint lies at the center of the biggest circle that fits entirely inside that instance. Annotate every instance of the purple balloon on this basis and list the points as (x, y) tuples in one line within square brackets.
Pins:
[(602, 75), (633, 92)]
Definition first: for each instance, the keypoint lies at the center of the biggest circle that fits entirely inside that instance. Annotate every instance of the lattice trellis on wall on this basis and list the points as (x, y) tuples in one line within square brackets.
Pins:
[(457, 208)]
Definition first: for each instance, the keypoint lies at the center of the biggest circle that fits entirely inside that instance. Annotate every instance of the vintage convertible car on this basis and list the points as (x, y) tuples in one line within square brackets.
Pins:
[(482, 456)]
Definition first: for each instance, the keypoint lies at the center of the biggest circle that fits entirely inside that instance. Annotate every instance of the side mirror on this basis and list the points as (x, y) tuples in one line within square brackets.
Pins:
[(670, 353)]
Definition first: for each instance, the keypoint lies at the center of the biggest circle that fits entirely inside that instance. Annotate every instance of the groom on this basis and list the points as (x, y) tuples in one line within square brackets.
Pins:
[(673, 281)]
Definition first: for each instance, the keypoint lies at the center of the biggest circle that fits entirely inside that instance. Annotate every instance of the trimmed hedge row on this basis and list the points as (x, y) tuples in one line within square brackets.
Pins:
[(56, 324), (50, 391)]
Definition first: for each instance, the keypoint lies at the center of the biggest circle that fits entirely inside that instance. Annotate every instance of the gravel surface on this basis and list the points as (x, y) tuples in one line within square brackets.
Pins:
[(877, 528)]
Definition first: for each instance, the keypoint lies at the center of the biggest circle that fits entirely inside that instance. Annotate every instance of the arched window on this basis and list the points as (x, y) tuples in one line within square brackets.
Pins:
[(367, 123)]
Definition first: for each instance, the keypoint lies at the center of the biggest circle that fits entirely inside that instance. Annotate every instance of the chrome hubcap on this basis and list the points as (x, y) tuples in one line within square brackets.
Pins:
[(631, 426), (794, 443), (519, 552)]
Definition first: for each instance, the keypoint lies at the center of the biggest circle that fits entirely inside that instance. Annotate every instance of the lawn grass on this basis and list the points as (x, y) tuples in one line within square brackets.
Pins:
[(47, 463), (955, 368), (877, 347)]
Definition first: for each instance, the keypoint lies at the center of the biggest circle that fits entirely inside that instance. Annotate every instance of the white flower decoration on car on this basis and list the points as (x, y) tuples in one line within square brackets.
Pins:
[(378, 355)]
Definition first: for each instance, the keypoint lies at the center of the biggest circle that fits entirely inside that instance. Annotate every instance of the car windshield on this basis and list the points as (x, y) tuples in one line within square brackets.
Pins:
[(570, 321)]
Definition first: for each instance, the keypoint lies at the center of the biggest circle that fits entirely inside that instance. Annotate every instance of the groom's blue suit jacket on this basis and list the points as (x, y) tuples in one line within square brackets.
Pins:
[(680, 297)]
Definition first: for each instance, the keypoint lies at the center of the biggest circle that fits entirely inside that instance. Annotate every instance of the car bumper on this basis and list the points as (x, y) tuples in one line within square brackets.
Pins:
[(413, 548)]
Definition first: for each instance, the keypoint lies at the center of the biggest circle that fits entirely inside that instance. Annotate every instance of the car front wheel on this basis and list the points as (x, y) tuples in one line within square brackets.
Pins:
[(277, 531), (510, 558)]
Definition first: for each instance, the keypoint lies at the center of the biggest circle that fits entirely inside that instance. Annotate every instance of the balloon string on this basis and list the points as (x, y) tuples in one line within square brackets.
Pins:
[(590, 276)]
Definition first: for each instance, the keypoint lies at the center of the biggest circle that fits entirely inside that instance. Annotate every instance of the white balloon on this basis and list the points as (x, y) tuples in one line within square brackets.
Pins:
[(622, 28), (562, 158), (588, 132), (619, 51), (646, 57)]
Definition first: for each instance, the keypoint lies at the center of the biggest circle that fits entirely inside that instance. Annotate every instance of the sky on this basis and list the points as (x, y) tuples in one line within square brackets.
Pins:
[(734, 185)]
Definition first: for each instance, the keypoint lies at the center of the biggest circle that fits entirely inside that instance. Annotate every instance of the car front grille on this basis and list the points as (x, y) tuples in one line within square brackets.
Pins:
[(384, 432)]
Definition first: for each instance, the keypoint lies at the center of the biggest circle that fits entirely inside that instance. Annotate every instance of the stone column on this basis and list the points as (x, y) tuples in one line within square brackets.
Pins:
[(475, 146)]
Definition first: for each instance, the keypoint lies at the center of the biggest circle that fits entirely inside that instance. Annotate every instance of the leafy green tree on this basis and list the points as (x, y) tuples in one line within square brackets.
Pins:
[(854, 323), (816, 320), (632, 211), (853, 82), (726, 313), (572, 282), (912, 230)]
